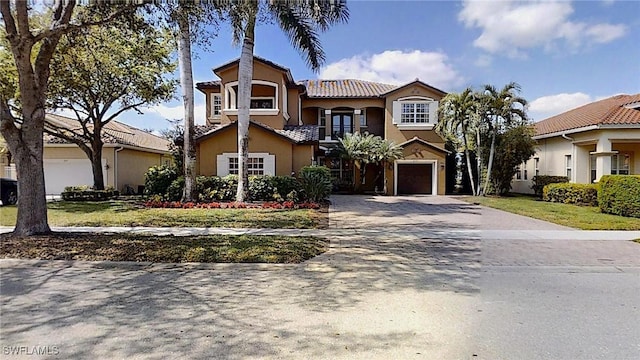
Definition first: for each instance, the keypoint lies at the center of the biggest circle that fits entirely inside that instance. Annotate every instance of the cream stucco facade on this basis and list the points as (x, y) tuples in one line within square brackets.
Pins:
[(583, 156)]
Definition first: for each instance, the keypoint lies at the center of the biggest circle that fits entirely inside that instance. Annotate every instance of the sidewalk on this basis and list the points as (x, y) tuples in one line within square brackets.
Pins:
[(423, 232)]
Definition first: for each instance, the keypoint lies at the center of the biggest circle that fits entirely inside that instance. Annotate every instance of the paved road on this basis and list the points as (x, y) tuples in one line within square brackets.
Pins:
[(412, 277)]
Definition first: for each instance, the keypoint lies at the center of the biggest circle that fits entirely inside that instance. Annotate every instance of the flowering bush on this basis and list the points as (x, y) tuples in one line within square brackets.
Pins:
[(158, 203)]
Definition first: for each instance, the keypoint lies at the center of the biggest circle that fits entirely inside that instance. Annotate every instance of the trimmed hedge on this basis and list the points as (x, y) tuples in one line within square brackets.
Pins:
[(163, 183), (540, 181), (579, 194), (85, 193), (620, 195)]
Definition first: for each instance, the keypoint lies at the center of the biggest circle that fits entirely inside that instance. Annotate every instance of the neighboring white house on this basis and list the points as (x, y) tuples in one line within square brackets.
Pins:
[(586, 143)]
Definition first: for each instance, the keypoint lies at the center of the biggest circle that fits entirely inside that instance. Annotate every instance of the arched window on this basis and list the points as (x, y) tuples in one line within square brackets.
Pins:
[(264, 97)]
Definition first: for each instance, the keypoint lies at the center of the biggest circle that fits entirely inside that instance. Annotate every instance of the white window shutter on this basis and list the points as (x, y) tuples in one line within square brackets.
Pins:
[(397, 112), (222, 166), (433, 112), (269, 164)]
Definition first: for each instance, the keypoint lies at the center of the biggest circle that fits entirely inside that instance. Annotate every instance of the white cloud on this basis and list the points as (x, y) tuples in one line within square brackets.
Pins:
[(396, 67), (511, 27), (550, 105), (177, 112)]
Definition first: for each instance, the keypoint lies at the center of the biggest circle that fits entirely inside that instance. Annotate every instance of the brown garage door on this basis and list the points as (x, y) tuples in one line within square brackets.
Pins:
[(415, 179)]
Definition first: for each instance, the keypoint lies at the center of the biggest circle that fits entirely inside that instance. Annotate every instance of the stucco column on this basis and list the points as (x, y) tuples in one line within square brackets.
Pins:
[(357, 114), (603, 159), (328, 125), (582, 175)]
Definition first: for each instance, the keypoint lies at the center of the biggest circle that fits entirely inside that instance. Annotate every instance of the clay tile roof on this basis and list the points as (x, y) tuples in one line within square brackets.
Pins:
[(208, 84), (113, 133), (301, 133), (348, 88), (297, 134), (616, 110)]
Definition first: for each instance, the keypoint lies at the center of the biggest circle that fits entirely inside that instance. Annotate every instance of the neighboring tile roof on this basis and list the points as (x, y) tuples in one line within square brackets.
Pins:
[(113, 133), (345, 88), (301, 133), (298, 134), (611, 111), (208, 84)]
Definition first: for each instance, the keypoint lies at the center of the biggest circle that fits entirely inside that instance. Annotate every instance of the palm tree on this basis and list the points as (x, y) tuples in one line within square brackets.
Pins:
[(358, 150), (300, 20), (502, 113), (189, 19), (457, 121), (386, 152)]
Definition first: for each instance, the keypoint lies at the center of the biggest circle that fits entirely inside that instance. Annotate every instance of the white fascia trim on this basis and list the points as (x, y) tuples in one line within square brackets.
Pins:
[(434, 174), (566, 132), (253, 111), (416, 99), (415, 127), (620, 126)]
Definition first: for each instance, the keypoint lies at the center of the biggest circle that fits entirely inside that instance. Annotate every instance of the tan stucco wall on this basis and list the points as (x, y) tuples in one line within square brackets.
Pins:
[(302, 156), (310, 116), (133, 164), (375, 121), (289, 157), (392, 132), (74, 152)]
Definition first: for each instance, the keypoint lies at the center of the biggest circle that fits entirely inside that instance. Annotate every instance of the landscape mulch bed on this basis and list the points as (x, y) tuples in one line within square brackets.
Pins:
[(165, 249)]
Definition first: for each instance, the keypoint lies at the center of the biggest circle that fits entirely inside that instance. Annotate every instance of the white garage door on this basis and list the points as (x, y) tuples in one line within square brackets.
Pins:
[(60, 173)]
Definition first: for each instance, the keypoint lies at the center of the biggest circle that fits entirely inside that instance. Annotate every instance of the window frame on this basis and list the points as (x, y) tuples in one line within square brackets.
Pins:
[(619, 159), (568, 166), (230, 101), (227, 164), (213, 104), (430, 113)]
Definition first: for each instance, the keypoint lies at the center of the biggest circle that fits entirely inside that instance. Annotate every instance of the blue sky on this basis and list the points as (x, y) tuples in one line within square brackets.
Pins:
[(562, 53)]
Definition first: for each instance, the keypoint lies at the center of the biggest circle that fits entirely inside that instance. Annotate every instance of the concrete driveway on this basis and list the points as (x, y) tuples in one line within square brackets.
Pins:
[(406, 277)]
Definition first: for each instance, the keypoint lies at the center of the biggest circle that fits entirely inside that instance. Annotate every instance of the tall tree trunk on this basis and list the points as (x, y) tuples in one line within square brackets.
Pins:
[(490, 164), (479, 162), (245, 76), (186, 82), (469, 168), (96, 164), (27, 151)]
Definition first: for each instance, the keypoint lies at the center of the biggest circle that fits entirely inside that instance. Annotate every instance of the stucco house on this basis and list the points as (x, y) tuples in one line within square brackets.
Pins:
[(297, 123), (127, 154), (596, 139)]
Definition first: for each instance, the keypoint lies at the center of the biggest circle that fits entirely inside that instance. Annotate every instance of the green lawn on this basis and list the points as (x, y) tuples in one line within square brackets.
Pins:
[(163, 249), (129, 213), (580, 217)]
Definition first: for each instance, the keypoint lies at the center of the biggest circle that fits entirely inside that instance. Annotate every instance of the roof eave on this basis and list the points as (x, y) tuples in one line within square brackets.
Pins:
[(565, 132)]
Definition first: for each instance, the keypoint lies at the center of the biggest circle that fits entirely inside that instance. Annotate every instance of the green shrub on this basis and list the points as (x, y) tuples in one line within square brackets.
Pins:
[(261, 188), (620, 195), (286, 188), (158, 179), (316, 183), (322, 170), (567, 193), (540, 181), (175, 190)]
